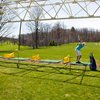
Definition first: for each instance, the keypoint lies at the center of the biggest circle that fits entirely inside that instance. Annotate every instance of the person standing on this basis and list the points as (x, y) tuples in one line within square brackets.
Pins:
[(79, 46)]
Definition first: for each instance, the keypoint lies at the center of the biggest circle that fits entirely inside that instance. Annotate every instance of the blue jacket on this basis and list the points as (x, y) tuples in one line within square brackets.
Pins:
[(79, 46)]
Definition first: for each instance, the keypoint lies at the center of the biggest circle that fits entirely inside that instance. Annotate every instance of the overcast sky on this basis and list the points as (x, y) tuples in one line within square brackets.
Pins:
[(92, 23), (84, 23)]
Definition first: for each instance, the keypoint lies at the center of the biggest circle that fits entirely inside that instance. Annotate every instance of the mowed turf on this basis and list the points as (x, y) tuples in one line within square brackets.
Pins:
[(45, 81), (53, 52)]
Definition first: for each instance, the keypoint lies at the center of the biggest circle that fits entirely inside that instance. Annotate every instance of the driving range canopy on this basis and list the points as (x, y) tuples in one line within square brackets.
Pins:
[(49, 9)]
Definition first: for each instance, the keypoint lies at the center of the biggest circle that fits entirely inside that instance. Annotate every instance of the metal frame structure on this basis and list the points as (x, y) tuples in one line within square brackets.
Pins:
[(51, 9)]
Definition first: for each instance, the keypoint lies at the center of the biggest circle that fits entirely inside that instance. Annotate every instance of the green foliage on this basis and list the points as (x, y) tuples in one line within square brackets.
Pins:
[(52, 43)]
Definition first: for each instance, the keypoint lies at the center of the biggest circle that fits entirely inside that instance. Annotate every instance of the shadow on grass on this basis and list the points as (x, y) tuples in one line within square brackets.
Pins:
[(94, 86), (23, 71), (6, 51)]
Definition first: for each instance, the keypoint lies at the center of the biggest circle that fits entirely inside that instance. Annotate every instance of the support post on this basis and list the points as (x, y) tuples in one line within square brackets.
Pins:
[(19, 37), (83, 74)]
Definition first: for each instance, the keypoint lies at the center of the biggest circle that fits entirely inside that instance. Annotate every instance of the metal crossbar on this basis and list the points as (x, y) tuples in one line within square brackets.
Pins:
[(51, 10)]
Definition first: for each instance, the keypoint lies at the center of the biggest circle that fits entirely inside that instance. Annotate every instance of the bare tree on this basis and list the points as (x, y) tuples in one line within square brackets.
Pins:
[(58, 33), (5, 15), (34, 26), (44, 38)]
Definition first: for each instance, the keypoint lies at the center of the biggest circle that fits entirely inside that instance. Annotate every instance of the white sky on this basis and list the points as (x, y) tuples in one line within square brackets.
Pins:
[(84, 23), (92, 23)]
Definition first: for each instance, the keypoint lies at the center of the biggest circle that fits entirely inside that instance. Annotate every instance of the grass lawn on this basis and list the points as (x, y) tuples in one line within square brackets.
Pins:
[(54, 52), (49, 81)]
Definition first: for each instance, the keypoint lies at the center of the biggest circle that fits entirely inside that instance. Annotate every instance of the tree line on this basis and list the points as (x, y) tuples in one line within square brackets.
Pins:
[(58, 35)]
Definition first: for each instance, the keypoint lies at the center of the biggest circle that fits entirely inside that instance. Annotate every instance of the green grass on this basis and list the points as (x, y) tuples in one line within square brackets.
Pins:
[(44, 81), (56, 52)]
